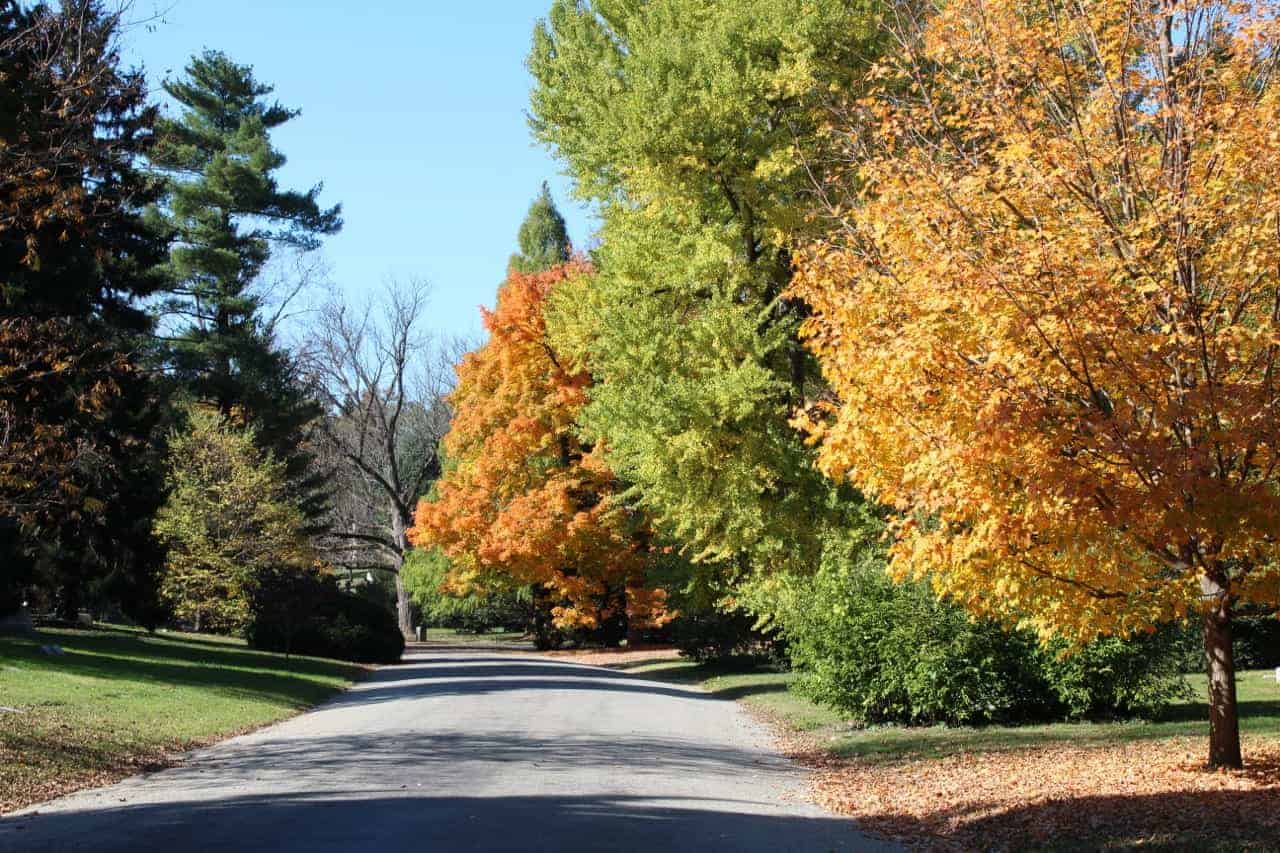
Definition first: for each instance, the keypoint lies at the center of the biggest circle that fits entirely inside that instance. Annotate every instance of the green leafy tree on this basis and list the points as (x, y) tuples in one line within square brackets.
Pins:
[(693, 125), (226, 213), (228, 523), (543, 238)]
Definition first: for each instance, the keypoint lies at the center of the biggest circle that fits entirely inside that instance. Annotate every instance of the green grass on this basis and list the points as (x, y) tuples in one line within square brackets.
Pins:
[(120, 700), (767, 692), (492, 638)]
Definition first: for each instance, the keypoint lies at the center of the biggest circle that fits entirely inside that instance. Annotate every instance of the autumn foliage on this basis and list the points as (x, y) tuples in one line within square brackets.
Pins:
[(525, 501), (1050, 313)]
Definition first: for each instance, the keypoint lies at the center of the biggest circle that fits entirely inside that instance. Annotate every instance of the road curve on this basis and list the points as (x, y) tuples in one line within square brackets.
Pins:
[(459, 749)]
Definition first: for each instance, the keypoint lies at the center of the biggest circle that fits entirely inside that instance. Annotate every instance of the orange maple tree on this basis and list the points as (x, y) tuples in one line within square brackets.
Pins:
[(1050, 313), (524, 501)]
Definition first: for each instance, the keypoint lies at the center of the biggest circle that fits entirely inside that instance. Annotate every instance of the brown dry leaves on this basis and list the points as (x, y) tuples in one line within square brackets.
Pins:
[(43, 757), (1122, 794), (617, 658)]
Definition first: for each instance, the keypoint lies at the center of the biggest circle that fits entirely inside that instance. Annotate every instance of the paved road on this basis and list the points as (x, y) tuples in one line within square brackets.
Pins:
[(465, 750)]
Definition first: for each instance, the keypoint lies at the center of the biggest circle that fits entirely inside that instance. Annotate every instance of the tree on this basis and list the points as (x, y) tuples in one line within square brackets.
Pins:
[(228, 523), (1048, 309), (77, 487), (525, 499), (227, 213), (384, 391), (72, 123), (689, 122), (543, 237)]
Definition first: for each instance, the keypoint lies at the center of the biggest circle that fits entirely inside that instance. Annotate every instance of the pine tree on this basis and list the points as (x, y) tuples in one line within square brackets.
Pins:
[(77, 487), (543, 238), (226, 213)]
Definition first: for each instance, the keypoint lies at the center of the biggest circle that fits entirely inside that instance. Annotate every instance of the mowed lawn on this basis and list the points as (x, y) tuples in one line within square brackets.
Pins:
[(120, 701), (1063, 786)]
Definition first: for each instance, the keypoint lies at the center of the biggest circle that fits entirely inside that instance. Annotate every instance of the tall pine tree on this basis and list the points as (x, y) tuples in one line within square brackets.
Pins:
[(226, 213)]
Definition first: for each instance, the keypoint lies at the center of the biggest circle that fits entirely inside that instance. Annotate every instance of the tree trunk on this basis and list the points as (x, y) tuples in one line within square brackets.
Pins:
[(1224, 722), (404, 616)]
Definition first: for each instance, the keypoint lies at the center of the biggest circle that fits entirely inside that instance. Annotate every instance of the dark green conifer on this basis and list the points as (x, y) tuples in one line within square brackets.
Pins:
[(226, 213), (543, 238)]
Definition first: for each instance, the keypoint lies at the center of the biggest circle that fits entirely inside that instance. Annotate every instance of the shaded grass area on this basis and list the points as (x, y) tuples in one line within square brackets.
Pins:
[(767, 692), (452, 637), (1062, 786), (120, 700)]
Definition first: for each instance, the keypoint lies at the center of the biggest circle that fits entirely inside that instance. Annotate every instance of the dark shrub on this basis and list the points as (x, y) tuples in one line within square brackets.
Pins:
[(306, 615), (712, 634)]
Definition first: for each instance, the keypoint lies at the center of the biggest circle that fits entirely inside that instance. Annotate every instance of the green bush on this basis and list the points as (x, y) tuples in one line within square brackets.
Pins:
[(886, 652), (1116, 678)]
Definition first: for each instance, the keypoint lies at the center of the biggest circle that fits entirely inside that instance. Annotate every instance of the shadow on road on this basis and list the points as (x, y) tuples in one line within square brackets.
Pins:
[(428, 677), (420, 821)]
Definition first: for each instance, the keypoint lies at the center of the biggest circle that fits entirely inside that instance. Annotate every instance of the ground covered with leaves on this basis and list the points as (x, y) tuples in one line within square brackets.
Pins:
[(1148, 794), (1054, 787), (119, 702)]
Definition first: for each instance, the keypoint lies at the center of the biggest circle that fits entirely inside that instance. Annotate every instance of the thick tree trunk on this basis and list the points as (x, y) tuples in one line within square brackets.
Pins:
[(1224, 722)]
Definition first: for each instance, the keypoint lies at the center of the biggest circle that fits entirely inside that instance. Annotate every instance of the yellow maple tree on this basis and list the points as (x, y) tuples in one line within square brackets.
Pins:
[(1049, 311)]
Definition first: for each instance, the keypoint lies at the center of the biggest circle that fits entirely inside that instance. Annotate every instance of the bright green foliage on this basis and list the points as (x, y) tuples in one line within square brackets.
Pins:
[(226, 212), (227, 522), (425, 572), (882, 651), (689, 122), (543, 237)]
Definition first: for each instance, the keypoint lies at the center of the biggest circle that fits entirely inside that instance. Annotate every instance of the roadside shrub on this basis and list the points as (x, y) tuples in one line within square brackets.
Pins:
[(310, 615), (1116, 678), (712, 634), (887, 652)]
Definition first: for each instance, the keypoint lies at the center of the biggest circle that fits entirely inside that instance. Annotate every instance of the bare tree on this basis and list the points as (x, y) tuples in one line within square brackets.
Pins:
[(383, 379)]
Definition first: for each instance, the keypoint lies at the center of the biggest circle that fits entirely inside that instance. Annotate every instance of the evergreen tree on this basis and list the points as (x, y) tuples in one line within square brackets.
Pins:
[(226, 213), (77, 483), (543, 238)]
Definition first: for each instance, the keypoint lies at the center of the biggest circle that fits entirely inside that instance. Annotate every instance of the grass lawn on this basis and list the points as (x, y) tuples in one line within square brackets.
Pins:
[(452, 637), (120, 701), (768, 693), (1063, 786)]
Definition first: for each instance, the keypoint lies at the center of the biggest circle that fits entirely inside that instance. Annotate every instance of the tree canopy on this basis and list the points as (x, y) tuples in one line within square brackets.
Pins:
[(1048, 309)]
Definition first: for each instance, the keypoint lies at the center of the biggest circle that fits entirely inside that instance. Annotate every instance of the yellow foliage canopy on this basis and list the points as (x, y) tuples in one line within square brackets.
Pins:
[(1050, 311)]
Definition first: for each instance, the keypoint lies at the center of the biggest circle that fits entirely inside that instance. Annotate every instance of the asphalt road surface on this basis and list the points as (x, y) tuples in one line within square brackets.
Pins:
[(460, 749)]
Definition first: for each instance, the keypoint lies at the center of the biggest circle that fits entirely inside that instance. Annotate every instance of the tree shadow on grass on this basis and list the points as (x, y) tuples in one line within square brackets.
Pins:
[(127, 657)]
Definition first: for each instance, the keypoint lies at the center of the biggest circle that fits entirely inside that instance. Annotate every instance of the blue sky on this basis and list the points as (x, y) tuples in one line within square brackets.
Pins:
[(414, 118)]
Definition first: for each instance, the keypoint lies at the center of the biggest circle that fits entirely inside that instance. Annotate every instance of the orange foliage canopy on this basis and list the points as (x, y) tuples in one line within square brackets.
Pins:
[(1051, 315), (525, 501)]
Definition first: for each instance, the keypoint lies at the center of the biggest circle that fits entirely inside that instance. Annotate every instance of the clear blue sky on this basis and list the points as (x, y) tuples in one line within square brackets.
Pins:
[(413, 116)]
